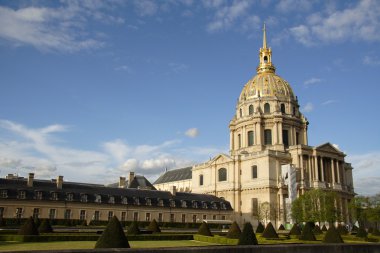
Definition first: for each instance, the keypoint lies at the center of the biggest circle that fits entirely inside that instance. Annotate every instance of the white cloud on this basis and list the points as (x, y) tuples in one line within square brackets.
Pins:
[(371, 60), (308, 107), (55, 29), (312, 81), (294, 5), (192, 132), (331, 101), (146, 7), (178, 67), (124, 68), (360, 22)]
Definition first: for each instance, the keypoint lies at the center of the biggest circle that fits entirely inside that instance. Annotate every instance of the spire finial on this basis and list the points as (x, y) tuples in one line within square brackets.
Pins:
[(264, 37)]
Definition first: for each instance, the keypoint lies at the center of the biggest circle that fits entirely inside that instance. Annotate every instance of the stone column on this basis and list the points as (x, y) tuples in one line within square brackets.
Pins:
[(310, 169), (316, 170), (232, 144), (280, 140), (275, 132), (332, 170), (259, 133), (292, 138), (302, 172), (243, 137), (322, 170), (337, 170)]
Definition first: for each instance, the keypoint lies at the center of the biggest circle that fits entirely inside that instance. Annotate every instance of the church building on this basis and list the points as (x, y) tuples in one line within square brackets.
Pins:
[(270, 161)]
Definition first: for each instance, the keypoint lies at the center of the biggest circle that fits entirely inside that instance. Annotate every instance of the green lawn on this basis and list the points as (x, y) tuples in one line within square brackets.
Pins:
[(14, 246)]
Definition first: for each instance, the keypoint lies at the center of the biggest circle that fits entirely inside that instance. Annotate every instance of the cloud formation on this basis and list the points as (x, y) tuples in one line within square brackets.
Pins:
[(308, 107), (192, 132), (312, 81)]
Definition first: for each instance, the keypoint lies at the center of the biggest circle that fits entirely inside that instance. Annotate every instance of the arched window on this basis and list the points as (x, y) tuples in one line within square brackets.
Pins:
[(241, 113), (222, 174), (266, 108), (268, 137), (282, 108), (239, 140), (250, 138), (200, 179), (265, 59), (250, 109)]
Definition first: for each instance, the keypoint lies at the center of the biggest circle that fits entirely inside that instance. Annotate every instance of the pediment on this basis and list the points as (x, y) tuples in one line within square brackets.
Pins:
[(221, 158), (328, 147)]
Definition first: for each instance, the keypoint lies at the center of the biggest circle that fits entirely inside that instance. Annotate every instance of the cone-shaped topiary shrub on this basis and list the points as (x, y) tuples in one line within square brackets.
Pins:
[(260, 228), (153, 226), (270, 232), (361, 232), (133, 229), (204, 230), (324, 228), (317, 230), (307, 233), (375, 232), (29, 228), (45, 227), (295, 230), (234, 231), (342, 230), (113, 236), (247, 237), (332, 236), (354, 228), (281, 227)]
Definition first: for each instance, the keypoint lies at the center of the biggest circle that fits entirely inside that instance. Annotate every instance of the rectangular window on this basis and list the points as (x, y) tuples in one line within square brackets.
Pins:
[(200, 179), (239, 140), (67, 214), (285, 138), (21, 194), (183, 218), (110, 215), (204, 217), (135, 216), (160, 219), (19, 212), (111, 200), (36, 213), (52, 213), (123, 216), (98, 198), (54, 196), (39, 195), (96, 216), (4, 194), (254, 171), (194, 218), (297, 138), (69, 197), (83, 198), (223, 217), (147, 217), (255, 207), (214, 217), (250, 138), (82, 214), (148, 202), (172, 217), (268, 137)]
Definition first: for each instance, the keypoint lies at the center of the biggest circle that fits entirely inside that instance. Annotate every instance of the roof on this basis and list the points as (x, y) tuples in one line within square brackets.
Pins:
[(46, 190), (175, 175), (140, 182)]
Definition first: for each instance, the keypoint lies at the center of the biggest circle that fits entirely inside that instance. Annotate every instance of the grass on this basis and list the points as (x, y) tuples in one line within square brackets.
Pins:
[(19, 246)]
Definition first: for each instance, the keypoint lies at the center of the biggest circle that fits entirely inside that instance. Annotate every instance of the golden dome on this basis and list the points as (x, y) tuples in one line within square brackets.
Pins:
[(267, 84)]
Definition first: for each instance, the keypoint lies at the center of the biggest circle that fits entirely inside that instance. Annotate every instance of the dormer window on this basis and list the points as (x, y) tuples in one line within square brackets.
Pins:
[(137, 201), (21, 194), (204, 205), (124, 201), (70, 197), (223, 205), (195, 204), (19, 212), (38, 195), (160, 202), (172, 203), (98, 198), (54, 196), (111, 200), (83, 198), (148, 202), (183, 204), (214, 205), (4, 194)]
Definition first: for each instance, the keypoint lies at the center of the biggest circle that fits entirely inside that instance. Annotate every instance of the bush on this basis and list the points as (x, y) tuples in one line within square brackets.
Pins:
[(204, 230), (281, 227), (307, 233), (37, 222), (354, 228), (153, 226), (317, 230), (342, 230), (83, 223), (375, 232), (361, 232), (295, 230), (234, 231), (260, 228), (113, 236), (29, 228), (247, 237), (45, 227), (270, 232), (324, 228), (332, 236), (133, 229)]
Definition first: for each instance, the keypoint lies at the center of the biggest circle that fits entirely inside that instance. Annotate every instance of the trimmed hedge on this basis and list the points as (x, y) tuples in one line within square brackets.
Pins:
[(153, 226), (307, 233), (260, 228), (317, 230), (133, 229), (295, 230), (247, 236), (113, 236), (216, 239), (361, 232), (234, 231), (270, 232), (324, 228), (29, 228), (281, 227), (204, 230), (45, 227), (342, 230), (332, 236)]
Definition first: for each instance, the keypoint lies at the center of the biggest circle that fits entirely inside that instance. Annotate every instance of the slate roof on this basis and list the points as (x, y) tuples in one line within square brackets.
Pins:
[(138, 182), (175, 175), (122, 196)]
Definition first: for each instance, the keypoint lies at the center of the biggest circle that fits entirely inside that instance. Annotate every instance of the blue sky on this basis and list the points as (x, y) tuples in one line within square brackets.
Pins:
[(93, 89)]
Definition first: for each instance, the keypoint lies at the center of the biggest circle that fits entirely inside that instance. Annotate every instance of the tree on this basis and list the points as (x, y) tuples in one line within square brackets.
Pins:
[(29, 228), (133, 229), (247, 237), (113, 236), (267, 211), (204, 230), (153, 226), (234, 231)]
